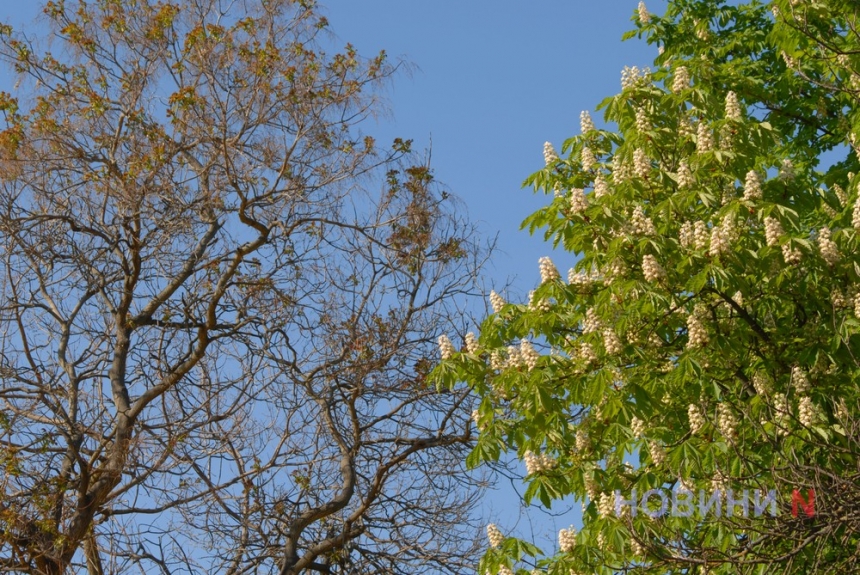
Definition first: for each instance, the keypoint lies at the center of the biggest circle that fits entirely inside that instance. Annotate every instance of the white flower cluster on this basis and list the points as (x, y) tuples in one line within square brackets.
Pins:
[(752, 187), (633, 76), (720, 482), (733, 107), (580, 278), (719, 241), (446, 348), (694, 235), (697, 335), (681, 81), (637, 426), (529, 354), (504, 570), (611, 342), (641, 164), (799, 380), (591, 323), (704, 138), (780, 406), (615, 270), (549, 154), (606, 505), (792, 256), (496, 301), (772, 231), (642, 224), (621, 171), (471, 343), (580, 441), (855, 215), (538, 463), (761, 383), (586, 353), (637, 549), (587, 158), (786, 171), (567, 539), (642, 123), (601, 188), (685, 176), (652, 270), (548, 271), (585, 123), (658, 454), (697, 420), (685, 127), (578, 201), (494, 535), (514, 360), (644, 16), (857, 306), (538, 304), (806, 411), (827, 247), (727, 423), (840, 195), (497, 360)]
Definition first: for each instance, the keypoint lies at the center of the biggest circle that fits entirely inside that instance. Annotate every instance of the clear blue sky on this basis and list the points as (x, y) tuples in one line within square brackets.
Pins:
[(489, 83)]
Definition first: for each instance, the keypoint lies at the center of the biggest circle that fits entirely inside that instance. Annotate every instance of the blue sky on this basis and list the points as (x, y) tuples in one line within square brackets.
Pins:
[(491, 82), (488, 83)]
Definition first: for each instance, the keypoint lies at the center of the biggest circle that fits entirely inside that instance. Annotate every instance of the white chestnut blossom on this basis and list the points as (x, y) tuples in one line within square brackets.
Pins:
[(727, 423), (586, 125), (538, 462), (752, 187), (494, 535), (476, 417), (799, 380), (642, 224), (658, 454), (642, 123), (685, 235), (644, 16), (641, 164), (719, 242), (621, 171), (601, 188), (827, 247), (529, 354), (586, 353), (685, 176), (497, 360), (611, 342), (761, 383), (496, 301), (786, 171), (806, 411), (471, 343), (514, 360), (840, 195), (606, 505), (733, 107), (855, 215), (697, 420), (504, 570), (637, 549), (591, 323), (633, 76), (792, 256), (857, 306), (549, 154), (446, 348), (772, 231), (587, 158), (538, 304), (578, 200), (701, 235), (681, 81), (651, 270), (637, 426), (697, 335), (704, 138), (548, 271), (567, 539)]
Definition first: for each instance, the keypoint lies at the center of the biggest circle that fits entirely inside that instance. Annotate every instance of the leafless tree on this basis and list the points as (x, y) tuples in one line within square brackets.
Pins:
[(219, 303)]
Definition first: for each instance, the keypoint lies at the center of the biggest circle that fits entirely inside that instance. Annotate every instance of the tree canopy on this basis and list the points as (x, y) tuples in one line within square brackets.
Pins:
[(704, 348), (219, 301)]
